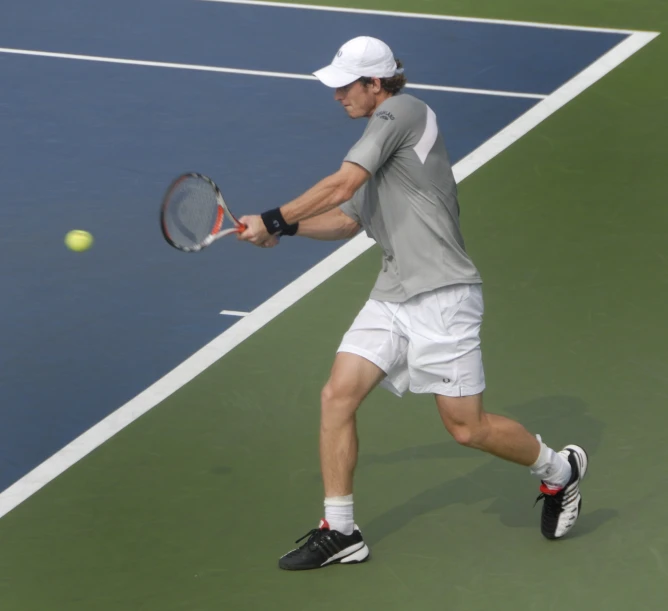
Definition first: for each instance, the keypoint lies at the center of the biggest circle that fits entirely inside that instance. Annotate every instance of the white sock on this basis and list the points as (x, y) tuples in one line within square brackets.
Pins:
[(551, 467), (339, 513)]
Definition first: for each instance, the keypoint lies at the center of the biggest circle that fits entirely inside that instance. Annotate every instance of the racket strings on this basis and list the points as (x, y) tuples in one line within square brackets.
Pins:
[(193, 213)]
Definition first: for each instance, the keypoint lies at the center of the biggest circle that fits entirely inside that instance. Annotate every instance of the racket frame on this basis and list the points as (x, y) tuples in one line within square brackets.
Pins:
[(223, 211)]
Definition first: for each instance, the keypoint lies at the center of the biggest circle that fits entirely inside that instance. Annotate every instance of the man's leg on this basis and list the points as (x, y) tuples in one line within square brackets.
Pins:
[(337, 540), (351, 380), (470, 425), (560, 472)]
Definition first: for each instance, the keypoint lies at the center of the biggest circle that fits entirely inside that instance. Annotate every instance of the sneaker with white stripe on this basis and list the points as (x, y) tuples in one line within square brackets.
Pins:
[(561, 506), (324, 547)]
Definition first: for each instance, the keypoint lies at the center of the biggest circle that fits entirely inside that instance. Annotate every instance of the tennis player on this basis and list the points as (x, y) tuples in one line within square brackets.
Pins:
[(420, 329)]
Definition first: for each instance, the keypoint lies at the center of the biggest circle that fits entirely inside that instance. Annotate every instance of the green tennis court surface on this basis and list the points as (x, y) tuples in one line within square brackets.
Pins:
[(190, 507)]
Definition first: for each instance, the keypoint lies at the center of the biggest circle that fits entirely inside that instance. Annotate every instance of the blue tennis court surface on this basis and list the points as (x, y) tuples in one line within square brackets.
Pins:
[(93, 145)]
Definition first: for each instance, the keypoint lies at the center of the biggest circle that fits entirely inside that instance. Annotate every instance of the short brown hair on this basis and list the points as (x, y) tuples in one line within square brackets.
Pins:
[(393, 84)]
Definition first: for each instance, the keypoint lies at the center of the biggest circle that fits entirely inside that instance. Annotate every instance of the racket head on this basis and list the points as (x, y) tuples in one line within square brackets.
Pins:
[(193, 213)]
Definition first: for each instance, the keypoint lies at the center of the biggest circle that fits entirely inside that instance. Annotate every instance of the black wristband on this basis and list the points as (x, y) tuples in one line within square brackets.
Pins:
[(275, 223), (291, 229)]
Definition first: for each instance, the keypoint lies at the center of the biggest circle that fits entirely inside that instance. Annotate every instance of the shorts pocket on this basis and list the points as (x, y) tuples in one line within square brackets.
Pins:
[(448, 301)]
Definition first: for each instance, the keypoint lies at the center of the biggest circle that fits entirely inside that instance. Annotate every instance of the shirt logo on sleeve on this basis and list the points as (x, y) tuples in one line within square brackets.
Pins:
[(385, 115)]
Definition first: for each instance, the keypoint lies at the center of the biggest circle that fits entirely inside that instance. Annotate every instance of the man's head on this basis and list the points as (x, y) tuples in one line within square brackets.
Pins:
[(363, 74)]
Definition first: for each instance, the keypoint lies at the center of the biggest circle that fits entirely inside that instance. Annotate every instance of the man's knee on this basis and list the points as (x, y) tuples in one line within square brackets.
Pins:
[(471, 436), (337, 401), (462, 434), (351, 380), (464, 419), (331, 393)]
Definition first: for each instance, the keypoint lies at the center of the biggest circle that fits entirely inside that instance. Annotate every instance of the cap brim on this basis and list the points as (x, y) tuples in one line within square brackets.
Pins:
[(331, 76)]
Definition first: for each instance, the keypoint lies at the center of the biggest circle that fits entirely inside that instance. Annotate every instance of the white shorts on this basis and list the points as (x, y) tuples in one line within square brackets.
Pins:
[(428, 344)]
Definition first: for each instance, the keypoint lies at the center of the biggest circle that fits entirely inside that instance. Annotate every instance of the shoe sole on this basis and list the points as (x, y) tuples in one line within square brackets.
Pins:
[(361, 555), (357, 557)]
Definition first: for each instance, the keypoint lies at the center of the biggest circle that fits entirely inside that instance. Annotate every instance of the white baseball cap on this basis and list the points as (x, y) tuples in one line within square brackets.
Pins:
[(361, 56)]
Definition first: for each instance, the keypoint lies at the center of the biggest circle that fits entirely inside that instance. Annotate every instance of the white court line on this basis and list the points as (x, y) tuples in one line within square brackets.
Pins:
[(290, 75), (234, 313), (362, 11), (258, 318)]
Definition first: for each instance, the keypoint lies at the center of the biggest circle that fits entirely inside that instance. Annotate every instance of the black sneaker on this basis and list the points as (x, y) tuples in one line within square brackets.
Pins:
[(561, 507), (325, 547)]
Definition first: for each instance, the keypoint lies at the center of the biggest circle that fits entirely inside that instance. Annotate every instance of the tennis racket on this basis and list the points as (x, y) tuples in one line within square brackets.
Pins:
[(193, 214)]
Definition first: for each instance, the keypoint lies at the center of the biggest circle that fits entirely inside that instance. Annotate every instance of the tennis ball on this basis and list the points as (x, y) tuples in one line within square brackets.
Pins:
[(78, 240)]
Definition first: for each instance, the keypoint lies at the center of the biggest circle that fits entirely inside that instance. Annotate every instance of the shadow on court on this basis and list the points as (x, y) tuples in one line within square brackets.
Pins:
[(559, 420)]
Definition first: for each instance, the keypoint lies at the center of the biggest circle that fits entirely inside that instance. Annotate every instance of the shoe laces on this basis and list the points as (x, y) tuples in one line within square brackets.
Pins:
[(551, 498), (314, 536)]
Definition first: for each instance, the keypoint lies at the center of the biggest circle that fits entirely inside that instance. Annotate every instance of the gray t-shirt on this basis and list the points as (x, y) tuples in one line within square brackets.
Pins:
[(409, 205)]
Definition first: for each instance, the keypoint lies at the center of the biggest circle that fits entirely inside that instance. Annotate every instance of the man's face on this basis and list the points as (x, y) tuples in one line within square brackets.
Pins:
[(358, 99)]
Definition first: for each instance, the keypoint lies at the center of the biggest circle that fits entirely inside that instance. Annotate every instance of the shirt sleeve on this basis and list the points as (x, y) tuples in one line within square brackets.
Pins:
[(384, 135), (351, 209)]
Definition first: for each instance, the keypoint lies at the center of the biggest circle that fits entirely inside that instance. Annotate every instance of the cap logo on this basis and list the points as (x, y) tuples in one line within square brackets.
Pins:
[(339, 54)]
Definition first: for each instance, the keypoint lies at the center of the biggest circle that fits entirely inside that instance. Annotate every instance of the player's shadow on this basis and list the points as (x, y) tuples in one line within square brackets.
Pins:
[(510, 488)]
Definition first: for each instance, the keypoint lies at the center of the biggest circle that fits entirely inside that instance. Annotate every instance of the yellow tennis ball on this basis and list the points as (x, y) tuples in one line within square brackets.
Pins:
[(78, 240)]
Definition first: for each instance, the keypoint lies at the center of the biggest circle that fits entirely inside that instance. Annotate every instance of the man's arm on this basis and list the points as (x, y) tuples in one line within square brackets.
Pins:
[(331, 225), (327, 194)]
